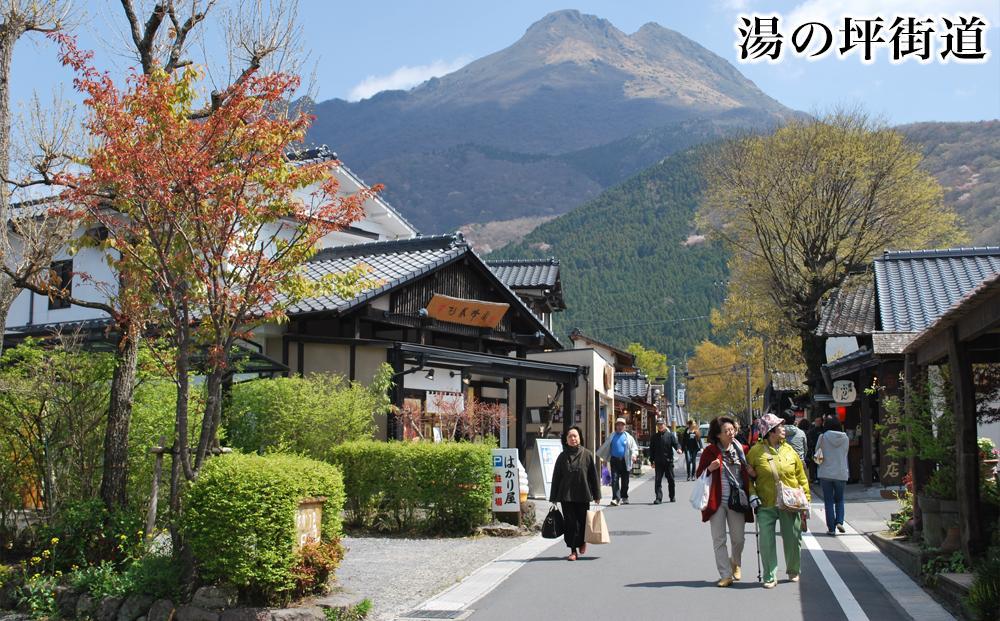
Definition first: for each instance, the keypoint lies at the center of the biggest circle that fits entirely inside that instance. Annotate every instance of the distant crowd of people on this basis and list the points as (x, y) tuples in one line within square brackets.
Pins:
[(759, 475)]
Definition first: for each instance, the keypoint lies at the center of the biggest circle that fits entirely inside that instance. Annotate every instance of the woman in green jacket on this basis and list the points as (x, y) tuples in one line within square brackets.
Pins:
[(770, 456)]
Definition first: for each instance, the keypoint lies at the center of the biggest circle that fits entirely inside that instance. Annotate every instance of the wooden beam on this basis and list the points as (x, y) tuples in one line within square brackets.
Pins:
[(521, 414), (966, 449), (935, 350), (867, 432), (983, 318)]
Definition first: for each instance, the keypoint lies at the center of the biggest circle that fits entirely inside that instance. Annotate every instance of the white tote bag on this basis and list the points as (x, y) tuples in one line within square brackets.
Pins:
[(701, 491)]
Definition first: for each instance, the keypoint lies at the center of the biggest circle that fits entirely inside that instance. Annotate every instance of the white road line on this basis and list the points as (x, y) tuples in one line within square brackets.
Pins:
[(911, 598), (488, 577), (850, 606)]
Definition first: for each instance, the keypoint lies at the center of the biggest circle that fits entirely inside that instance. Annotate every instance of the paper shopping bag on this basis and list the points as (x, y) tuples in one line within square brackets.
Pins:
[(597, 528)]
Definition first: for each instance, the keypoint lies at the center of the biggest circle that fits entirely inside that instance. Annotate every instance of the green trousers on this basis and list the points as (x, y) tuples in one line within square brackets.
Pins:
[(791, 541)]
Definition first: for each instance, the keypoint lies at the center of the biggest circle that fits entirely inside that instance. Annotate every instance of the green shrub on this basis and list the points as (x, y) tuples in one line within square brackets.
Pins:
[(984, 594), (154, 574), (396, 486), (84, 533), (304, 415), (239, 519)]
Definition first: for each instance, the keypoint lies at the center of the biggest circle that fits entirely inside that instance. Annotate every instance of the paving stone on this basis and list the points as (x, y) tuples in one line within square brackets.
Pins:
[(341, 599), (303, 613), (214, 597), (66, 600), (246, 614), (193, 613), (135, 606), (86, 606), (161, 610), (107, 610)]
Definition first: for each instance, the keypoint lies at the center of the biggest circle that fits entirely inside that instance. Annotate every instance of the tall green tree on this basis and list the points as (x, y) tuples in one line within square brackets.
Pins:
[(805, 206), (649, 361)]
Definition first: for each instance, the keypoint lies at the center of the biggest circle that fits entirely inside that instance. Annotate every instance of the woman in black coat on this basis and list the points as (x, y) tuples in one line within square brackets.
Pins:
[(575, 485)]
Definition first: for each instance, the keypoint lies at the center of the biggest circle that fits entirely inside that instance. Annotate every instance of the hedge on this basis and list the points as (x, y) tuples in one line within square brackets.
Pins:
[(399, 486), (239, 518)]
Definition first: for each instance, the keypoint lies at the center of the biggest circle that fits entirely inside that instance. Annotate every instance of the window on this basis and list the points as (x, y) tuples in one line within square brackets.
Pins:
[(61, 277)]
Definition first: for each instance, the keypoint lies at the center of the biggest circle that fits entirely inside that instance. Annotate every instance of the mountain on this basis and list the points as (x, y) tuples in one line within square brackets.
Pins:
[(632, 268), (965, 158), (531, 130), (666, 279)]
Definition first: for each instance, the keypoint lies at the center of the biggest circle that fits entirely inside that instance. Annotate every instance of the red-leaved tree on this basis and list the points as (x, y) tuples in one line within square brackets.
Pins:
[(207, 217)]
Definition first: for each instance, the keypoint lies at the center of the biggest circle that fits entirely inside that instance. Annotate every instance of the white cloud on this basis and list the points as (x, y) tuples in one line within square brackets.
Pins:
[(736, 5), (403, 78), (831, 11)]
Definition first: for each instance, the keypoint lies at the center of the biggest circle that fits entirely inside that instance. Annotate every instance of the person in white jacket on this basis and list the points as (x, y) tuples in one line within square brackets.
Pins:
[(619, 450), (833, 472)]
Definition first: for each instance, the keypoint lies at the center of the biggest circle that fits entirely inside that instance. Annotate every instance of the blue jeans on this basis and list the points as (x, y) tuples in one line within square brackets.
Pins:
[(833, 499), (619, 479)]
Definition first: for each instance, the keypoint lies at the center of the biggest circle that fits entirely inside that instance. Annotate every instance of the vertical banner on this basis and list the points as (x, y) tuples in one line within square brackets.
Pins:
[(506, 483)]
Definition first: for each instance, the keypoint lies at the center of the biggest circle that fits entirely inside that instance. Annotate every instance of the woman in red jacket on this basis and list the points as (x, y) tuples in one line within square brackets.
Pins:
[(728, 501)]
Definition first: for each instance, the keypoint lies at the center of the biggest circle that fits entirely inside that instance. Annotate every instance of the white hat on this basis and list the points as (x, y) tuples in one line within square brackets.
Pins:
[(620, 420)]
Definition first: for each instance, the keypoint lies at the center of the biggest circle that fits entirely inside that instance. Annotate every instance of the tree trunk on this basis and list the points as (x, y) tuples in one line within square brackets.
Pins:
[(814, 354), (114, 480), (8, 37)]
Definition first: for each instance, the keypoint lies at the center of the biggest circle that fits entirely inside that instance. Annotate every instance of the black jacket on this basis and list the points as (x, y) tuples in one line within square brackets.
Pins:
[(692, 442), (574, 477), (662, 447)]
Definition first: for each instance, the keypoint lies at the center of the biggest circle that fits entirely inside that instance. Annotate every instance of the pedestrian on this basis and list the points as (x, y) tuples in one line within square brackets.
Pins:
[(691, 444), (662, 446), (833, 472), (773, 458), (574, 486), (728, 502), (620, 450), (742, 435), (812, 436), (795, 436)]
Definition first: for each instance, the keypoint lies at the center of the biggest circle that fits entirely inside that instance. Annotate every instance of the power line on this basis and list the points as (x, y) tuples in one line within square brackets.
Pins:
[(647, 323)]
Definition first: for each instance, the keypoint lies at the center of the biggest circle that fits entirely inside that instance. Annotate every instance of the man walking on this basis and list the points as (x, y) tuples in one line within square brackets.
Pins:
[(620, 449), (662, 446)]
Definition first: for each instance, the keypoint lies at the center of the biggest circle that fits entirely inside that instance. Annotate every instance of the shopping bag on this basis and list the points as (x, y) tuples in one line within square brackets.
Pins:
[(552, 526), (605, 475), (597, 528), (701, 491)]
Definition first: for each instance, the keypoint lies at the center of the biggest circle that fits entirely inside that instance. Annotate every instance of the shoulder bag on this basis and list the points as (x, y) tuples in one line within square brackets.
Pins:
[(786, 497), (818, 452), (738, 500)]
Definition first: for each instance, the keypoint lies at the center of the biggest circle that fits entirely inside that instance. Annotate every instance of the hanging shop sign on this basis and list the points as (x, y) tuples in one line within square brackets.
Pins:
[(466, 312), (844, 391)]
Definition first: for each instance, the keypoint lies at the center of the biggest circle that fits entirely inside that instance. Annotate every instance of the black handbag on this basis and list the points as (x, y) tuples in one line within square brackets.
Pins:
[(738, 501), (553, 527)]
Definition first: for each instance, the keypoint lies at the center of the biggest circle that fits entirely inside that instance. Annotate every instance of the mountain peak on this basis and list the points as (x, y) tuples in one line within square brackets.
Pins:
[(569, 24)]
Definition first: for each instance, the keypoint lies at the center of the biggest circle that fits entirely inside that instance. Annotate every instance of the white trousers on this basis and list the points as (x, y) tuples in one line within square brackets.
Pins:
[(736, 522)]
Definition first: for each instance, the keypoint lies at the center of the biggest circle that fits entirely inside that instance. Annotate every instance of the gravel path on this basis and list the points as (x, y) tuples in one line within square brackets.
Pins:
[(398, 574)]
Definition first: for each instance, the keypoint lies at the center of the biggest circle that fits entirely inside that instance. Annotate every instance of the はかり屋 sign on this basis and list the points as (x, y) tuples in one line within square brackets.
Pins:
[(506, 484)]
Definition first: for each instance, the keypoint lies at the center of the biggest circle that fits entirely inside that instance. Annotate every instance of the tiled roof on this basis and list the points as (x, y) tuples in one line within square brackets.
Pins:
[(323, 153), (850, 311), (979, 295), (527, 273), (891, 343), (916, 287), (391, 262), (631, 385), (788, 381)]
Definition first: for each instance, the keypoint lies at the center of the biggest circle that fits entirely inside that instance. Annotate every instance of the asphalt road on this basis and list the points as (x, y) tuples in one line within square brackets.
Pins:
[(659, 564)]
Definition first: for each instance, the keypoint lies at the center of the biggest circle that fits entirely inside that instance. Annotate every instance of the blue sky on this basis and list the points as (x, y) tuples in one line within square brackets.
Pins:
[(359, 47)]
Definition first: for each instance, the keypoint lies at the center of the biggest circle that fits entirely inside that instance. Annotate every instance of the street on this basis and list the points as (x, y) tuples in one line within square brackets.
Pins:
[(660, 564)]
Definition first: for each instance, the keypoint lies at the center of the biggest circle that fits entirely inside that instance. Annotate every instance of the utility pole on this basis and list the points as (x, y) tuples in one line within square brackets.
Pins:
[(673, 395), (749, 398)]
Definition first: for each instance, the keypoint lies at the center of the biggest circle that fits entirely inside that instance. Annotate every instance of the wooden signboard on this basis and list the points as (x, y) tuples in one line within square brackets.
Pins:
[(308, 518), (466, 312)]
